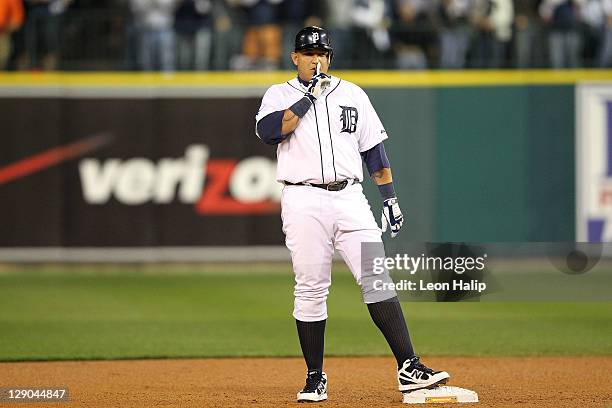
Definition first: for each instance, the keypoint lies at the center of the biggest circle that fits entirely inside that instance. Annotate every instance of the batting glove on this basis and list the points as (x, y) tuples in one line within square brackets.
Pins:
[(392, 216), (317, 85)]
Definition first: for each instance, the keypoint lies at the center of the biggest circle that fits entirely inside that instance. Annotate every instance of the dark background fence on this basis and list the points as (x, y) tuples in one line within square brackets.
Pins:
[(485, 163)]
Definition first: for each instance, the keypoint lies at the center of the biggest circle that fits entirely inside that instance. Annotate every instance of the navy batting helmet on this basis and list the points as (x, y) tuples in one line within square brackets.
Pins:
[(310, 38)]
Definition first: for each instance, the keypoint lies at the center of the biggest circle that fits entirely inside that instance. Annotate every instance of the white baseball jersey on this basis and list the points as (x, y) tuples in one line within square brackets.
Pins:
[(326, 144)]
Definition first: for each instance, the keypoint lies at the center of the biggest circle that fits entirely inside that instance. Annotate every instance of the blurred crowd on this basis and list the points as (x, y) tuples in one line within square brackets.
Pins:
[(201, 35)]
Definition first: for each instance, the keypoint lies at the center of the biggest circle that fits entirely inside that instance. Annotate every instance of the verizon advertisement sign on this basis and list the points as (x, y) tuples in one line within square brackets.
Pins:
[(250, 182), (140, 180), (136, 173)]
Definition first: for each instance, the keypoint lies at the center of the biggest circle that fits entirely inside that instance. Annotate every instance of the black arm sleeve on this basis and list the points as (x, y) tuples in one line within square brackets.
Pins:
[(376, 158), (269, 128)]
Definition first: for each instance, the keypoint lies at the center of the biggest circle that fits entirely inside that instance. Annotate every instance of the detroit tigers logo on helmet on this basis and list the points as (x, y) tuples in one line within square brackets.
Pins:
[(313, 37)]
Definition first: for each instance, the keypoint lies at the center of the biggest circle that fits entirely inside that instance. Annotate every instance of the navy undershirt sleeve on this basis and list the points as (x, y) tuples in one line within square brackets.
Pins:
[(269, 128), (376, 158)]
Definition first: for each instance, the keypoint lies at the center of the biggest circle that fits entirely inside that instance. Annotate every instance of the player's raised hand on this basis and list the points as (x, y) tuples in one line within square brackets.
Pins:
[(392, 216), (317, 85)]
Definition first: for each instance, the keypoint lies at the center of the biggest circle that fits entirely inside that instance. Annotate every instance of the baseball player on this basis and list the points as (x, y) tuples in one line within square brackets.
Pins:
[(324, 129)]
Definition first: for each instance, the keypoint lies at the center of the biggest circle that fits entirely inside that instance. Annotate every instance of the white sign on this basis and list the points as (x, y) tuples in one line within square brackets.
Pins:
[(594, 162)]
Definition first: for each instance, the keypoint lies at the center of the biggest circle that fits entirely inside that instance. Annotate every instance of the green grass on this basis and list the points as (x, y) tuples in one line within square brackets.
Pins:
[(49, 313)]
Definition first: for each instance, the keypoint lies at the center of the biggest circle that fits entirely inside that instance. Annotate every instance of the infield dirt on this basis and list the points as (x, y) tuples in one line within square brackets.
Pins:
[(272, 382)]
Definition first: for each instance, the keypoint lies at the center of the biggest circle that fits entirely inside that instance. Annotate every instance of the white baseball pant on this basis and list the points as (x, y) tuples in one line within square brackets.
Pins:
[(315, 223)]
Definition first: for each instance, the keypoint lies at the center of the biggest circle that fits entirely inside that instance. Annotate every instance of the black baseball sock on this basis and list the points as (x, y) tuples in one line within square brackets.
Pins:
[(312, 341), (389, 319)]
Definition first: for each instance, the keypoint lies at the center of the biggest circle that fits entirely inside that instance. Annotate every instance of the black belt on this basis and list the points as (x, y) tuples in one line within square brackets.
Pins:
[(333, 186)]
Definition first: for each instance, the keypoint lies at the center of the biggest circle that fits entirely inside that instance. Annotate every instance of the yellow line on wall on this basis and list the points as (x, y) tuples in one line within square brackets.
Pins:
[(263, 79)]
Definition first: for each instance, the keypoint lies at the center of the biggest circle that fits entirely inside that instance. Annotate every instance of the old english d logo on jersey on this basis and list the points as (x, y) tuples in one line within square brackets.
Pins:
[(349, 118)]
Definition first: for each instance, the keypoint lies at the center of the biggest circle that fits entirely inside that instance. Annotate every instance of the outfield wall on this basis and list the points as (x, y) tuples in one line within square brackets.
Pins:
[(145, 161)]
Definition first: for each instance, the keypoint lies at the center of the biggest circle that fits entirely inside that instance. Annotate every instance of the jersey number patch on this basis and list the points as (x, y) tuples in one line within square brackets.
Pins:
[(349, 119)]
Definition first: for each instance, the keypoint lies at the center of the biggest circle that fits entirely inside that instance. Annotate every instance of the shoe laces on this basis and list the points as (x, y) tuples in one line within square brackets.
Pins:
[(312, 381), (415, 362)]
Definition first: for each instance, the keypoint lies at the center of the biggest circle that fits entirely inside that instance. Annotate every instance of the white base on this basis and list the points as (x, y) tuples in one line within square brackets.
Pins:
[(441, 394)]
